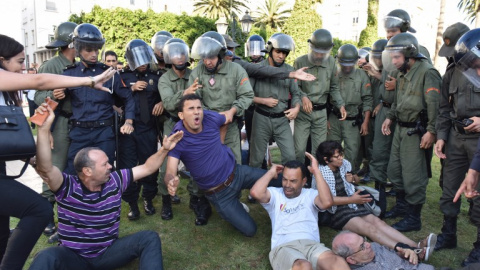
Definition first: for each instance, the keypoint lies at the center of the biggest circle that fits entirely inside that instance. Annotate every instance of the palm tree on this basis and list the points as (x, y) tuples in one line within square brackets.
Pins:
[(272, 13), (439, 40), (472, 8), (214, 9)]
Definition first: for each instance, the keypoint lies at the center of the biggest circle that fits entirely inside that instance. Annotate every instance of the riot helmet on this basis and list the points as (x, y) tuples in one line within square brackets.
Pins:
[(347, 58), (138, 53), (467, 56), (281, 42), (320, 46), (375, 57), (208, 46), (398, 18), (363, 56), (254, 48), (63, 35), (87, 36), (158, 41), (176, 53), (403, 45)]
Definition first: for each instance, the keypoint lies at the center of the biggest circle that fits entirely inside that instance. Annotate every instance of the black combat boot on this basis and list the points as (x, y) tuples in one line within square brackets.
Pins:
[(448, 237), (148, 206), (412, 220), (474, 256), (203, 211), (400, 209), (134, 213), (50, 229), (193, 202), (175, 199), (382, 198), (167, 213)]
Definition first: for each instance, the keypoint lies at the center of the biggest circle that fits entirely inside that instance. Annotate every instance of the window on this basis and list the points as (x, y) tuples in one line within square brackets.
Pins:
[(51, 5), (26, 39)]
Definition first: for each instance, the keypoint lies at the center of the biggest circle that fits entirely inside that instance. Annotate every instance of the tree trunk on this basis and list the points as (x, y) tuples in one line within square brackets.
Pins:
[(439, 40)]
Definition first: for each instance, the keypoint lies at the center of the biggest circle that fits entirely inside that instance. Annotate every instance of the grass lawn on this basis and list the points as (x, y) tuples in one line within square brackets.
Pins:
[(219, 246)]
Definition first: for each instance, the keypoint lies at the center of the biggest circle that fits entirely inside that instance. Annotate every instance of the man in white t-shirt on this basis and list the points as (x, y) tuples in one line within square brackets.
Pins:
[(294, 211)]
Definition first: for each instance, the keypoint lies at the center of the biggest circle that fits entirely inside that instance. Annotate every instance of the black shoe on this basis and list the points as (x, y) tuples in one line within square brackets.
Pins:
[(134, 213), (202, 212), (167, 213), (400, 209), (148, 206), (412, 221), (175, 199), (193, 202), (448, 237), (473, 257), (50, 229), (53, 239)]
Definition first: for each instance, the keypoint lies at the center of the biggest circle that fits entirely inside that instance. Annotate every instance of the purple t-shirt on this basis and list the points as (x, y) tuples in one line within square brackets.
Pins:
[(88, 221), (209, 161)]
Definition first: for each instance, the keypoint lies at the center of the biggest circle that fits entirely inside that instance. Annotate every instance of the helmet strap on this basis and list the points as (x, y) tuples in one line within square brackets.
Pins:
[(276, 64)]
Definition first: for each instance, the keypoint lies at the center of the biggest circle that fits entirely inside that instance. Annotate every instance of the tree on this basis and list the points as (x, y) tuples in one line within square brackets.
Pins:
[(439, 40), (272, 13), (369, 35), (300, 26), (472, 8), (214, 9)]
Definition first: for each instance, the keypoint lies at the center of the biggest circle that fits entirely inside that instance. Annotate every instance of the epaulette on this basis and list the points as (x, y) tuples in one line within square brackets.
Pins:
[(74, 65), (155, 72), (103, 66)]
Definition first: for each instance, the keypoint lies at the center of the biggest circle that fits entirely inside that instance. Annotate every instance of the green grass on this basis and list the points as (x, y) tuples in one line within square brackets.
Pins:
[(219, 246)]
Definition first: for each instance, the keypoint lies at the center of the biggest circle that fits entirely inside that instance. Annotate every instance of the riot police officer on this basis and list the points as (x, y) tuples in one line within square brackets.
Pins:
[(92, 119), (254, 49), (158, 41), (138, 146)]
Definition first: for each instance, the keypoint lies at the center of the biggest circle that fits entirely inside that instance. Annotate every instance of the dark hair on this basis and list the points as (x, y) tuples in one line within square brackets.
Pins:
[(119, 63), (107, 53), (181, 103), (9, 47), (327, 150), (82, 159), (295, 164)]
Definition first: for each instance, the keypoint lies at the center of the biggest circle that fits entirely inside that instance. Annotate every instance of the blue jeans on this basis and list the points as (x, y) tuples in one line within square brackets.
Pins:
[(145, 245), (227, 202)]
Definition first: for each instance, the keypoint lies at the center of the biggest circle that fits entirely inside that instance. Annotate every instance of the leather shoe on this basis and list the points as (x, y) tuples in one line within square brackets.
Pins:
[(134, 213), (202, 212), (473, 257), (148, 206), (50, 229), (175, 199), (53, 239), (167, 212)]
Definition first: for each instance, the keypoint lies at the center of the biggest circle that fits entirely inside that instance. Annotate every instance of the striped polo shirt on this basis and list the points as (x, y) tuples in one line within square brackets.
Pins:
[(88, 221)]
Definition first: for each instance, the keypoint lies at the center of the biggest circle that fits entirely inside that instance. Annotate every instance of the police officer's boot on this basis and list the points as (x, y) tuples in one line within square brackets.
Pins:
[(148, 206), (134, 213), (203, 211), (167, 213), (175, 199), (412, 220), (474, 256), (193, 202), (448, 237), (382, 198), (401, 207)]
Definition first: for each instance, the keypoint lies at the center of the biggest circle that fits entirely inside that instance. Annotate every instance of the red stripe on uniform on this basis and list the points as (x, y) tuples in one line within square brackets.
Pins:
[(433, 89), (243, 80)]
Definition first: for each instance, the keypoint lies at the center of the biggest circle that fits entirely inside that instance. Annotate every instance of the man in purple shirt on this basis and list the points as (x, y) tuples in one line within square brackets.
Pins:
[(89, 207), (212, 164)]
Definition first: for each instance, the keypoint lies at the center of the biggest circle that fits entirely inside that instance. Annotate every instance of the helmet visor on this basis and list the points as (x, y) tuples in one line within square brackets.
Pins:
[(176, 53), (392, 57), (206, 47), (158, 42), (469, 65), (254, 47), (345, 68), (140, 56), (392, 22), (375, 59), (316, 56)]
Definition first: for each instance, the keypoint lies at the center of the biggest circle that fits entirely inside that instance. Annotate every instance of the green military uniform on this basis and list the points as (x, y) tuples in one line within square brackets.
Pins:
[(416, 90), (356, 92), (171, 89), (276, 125), (228, 87), (317, 91), (61, 140)]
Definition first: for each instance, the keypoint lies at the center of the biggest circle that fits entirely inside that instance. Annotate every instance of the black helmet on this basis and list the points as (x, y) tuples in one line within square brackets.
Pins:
[(138, 53), (255, 45), (176, 52), (158, 41), (280, 41), (467, 55), (376, 54), (209, 45), (87, 35), (63, 35), (347, 55), (403, 43), (379, 46), (398, 18), (321, 44)]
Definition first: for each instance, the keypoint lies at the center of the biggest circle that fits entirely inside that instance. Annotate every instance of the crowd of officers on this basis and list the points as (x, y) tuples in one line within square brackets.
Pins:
[(387, 104)]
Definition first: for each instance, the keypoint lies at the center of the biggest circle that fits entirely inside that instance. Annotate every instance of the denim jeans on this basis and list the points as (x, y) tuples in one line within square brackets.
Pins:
[(144, 245), (227, 202)]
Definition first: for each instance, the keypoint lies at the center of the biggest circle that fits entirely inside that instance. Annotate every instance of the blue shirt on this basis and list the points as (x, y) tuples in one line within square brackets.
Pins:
[(209, 161), (90, 104)]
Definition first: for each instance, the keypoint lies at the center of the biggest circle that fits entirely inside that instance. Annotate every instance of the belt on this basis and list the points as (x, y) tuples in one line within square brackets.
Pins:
[(93, 124), (222, 186), (268, 114), (461, 130), (319, 107), (386, 104), (351, 118), (407, 124)]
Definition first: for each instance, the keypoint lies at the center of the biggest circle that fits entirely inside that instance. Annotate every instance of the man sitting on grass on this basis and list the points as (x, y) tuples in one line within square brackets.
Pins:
[(294, 211), (89, 207)]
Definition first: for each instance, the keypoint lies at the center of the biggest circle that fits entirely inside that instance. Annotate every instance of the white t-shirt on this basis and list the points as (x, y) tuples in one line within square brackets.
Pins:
[(292, 219), (2, 99)]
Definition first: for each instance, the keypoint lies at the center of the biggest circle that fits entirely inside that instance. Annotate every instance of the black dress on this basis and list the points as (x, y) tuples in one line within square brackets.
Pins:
[(344, 213)]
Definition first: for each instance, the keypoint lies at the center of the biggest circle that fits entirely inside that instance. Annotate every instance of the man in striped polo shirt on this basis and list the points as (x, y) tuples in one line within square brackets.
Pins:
[(89, 207)]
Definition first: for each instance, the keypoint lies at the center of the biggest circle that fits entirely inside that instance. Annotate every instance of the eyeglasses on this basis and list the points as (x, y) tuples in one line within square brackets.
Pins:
[(362, 247)]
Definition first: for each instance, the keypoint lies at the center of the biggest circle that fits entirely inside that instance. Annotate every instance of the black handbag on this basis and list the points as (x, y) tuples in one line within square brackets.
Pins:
[(16, 138)]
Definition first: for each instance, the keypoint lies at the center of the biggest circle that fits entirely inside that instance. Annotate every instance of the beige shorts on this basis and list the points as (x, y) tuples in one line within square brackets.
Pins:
[(283, 256)]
